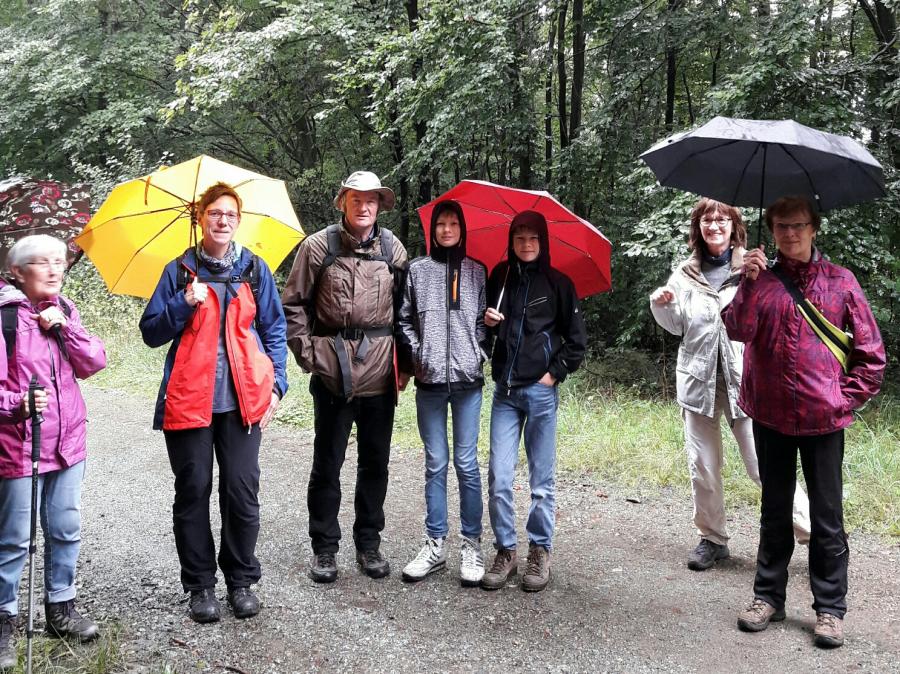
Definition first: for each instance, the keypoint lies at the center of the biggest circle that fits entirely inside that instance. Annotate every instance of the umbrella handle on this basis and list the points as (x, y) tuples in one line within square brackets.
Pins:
[(502, 290)]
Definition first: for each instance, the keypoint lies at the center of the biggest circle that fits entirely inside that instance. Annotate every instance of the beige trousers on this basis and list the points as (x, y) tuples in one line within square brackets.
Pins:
[(703, 444)]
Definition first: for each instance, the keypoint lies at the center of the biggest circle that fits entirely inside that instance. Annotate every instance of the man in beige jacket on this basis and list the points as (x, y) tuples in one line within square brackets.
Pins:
[(340, 302)]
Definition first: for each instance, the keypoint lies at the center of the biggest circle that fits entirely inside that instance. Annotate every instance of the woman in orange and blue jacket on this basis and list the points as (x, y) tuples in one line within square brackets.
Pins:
[(223, 379)]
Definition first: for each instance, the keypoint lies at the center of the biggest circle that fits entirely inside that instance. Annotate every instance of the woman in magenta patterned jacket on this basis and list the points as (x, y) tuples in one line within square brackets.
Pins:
[(801, 399)]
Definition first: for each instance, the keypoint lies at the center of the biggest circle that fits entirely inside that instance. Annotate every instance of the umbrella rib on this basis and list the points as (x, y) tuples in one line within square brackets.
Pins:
[(509, 205), (147, 243), (694, 154), (806, 173), (136, 215), (164, 190), (737, 187)]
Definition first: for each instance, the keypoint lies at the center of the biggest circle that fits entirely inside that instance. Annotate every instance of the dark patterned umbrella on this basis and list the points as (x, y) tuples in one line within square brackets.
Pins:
[(42, 207)]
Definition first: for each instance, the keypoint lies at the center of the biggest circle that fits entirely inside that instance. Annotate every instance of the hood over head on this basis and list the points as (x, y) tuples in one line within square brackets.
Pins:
[(537, 222), (438, 252)]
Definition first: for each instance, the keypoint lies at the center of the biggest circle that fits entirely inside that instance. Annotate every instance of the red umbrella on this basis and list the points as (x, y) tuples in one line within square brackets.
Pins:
[(577, 248)]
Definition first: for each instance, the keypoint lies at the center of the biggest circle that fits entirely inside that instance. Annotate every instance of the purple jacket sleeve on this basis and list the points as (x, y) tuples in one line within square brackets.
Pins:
[(741, 316), (867, 360), (86, 352)]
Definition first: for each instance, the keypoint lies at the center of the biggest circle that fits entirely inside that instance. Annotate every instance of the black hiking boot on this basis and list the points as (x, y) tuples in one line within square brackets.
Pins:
[(63, 620), (373, 563), (706, 554), (243, 602), (203, 606), (323, 568)]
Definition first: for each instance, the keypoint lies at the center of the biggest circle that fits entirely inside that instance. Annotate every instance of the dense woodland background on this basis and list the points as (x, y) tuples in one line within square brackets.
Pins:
[(562, 95)]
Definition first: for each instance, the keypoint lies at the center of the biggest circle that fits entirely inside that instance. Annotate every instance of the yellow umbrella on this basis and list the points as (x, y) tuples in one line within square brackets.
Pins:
[(146, 222)]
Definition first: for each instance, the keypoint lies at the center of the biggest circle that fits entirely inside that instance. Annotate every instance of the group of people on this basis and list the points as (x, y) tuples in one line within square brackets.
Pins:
[(363, 321), (749, 352)]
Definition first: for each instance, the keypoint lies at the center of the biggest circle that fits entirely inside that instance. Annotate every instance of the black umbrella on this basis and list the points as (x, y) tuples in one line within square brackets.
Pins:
[(30, 206), (747, 162)]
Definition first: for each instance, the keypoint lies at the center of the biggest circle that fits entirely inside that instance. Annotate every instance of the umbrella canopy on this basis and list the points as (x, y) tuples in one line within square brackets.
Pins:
[(577, 248), (746, 162), (145, 223), (30, 206)]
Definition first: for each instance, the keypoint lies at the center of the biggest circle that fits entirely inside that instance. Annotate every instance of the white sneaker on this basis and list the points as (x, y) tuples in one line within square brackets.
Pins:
[(471, 562), (432, 557)]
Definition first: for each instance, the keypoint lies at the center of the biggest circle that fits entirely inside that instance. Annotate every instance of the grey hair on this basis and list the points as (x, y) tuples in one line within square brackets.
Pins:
[(29, 247)]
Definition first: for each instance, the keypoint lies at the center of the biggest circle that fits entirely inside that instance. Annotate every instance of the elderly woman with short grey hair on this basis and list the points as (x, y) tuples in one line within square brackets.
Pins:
[(43, 336)]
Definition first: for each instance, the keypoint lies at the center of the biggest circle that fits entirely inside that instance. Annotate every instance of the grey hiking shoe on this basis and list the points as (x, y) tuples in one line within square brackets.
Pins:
[(8, 658), (706, 554), (829, 631), (505, 566), (537, 569), (63, 620), (757, 616)]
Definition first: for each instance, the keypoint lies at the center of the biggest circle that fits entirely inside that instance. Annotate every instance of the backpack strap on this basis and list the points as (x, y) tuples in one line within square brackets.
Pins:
[(836, 340), (9, 315)]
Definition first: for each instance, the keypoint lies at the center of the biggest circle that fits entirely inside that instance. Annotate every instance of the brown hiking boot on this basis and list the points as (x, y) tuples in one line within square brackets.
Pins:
[(505, 566), (537, 569), (829, 631), (757, 616)]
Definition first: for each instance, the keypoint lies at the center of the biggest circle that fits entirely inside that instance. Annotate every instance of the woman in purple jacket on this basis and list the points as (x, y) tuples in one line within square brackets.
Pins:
[(800, 399), (42, 335)]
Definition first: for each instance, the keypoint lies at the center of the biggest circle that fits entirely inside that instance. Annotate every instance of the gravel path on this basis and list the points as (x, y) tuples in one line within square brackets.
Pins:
[(621, 599)]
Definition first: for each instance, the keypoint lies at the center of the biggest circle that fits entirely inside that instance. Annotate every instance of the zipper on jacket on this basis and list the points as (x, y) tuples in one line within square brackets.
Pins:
[(239, 385), (521, 329), (55, 383), (447, 305)]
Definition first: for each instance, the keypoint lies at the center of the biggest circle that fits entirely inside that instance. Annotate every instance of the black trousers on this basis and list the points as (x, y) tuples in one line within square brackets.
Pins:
[(821, 457), (191, 457), (334, 418)]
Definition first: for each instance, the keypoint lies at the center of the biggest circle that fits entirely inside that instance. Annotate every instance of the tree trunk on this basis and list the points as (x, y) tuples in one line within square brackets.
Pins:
[(884, 24), (420, 127), (561, 75), (671, 71), (548, 109), (577, 68)]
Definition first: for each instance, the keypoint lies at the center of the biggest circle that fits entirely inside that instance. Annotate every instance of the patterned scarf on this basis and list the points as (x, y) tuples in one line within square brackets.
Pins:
[(217, 265)]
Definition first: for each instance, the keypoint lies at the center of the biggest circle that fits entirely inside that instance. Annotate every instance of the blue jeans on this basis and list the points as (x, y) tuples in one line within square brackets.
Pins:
[(59, 500), (431, 411), (534, 408)]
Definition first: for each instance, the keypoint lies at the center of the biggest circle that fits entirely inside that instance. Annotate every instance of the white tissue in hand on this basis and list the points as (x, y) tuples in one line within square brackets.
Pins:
[(200, 291)]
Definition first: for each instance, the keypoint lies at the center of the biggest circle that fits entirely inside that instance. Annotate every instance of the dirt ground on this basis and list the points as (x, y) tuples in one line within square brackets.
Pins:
[(621, 598)]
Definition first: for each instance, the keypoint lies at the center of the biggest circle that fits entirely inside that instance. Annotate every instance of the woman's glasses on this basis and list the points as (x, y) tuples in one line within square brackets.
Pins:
[(47, 265), (231, 217)]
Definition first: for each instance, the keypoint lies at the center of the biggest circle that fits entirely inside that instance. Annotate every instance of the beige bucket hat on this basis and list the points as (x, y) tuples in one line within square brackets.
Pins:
[(366, 181)]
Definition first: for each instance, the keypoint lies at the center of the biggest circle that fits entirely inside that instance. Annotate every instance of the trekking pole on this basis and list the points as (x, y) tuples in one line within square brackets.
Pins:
[(36, 420)]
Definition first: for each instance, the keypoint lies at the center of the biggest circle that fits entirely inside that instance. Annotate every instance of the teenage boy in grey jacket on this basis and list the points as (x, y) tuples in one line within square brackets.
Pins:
[(441, 340)]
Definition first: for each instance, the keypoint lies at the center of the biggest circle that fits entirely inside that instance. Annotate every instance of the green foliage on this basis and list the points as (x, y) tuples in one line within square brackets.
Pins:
[(427, 92)]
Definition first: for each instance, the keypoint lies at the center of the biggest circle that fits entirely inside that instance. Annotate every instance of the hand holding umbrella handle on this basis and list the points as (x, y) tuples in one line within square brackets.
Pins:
[(36, 419)]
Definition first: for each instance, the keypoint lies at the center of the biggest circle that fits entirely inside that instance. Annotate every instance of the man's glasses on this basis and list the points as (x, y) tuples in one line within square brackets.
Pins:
[(47, 265), (720, 221), (216, 216)]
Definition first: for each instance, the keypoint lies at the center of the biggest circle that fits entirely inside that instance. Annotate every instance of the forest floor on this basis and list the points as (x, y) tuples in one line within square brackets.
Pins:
[(621, 598)]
